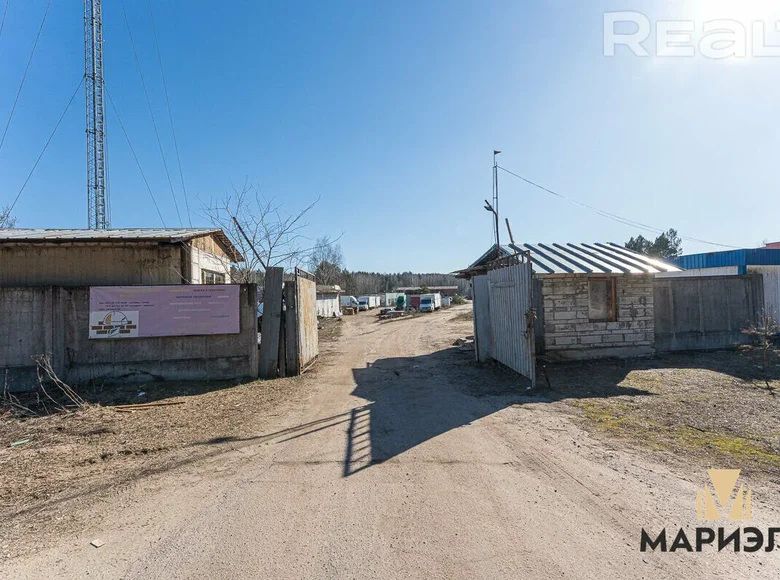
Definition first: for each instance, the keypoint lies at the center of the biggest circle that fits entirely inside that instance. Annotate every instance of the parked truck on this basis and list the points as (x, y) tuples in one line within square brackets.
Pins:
[(368, 302), (349, 305), (390, 298), (430, 302), (349, 302)]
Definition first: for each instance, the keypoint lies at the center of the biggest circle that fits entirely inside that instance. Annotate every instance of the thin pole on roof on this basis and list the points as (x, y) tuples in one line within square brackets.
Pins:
[(509, 229), (495, 200)]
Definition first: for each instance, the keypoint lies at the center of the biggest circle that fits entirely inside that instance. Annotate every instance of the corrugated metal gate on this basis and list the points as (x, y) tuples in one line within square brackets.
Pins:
[(504, 317), (512, 318)]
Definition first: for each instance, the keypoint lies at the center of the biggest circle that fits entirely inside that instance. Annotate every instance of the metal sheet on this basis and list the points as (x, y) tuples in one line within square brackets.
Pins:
[(746, 257), (771, 276), (97, 235), (481, 305), (308, 343), (583, 258), (511, 327)]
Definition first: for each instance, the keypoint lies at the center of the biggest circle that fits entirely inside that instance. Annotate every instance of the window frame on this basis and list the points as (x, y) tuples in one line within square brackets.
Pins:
[(218, 277), (611, 298)]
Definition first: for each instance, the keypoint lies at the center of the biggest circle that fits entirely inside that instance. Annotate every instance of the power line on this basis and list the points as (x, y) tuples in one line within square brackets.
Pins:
[(51, 136), (151, 112), (606, 214), (170, 114), (5, 13), (138, 163), (24, 76)]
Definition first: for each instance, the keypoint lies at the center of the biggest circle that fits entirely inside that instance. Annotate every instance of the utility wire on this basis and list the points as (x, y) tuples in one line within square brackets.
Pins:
[(151, 112), (5, 13), (138, 163), (27, 68), (607, 214), (51, 136), (170, 114)]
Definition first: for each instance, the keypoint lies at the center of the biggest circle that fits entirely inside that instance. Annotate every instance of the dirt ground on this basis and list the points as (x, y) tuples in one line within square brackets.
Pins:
[(98, 448), (719, 408), (400, 457)]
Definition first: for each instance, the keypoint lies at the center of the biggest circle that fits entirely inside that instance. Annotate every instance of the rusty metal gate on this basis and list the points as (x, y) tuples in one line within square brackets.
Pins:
[(511, 312)]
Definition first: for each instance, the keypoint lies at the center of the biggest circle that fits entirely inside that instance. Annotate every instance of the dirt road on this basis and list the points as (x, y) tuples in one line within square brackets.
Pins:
[(407, 461)]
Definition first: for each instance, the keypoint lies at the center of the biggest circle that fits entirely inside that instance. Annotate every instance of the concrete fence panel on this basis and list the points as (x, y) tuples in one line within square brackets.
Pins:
[(54, 321), (705, 312)]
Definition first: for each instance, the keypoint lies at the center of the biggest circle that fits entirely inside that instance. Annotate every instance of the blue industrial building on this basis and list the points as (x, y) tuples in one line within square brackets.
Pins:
[(740, 259)]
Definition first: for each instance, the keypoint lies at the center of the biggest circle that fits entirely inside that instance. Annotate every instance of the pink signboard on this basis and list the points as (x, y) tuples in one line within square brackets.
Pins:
[(143, 311)]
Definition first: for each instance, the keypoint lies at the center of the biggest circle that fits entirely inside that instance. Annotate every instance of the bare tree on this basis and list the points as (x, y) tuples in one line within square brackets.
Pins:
[(326, 261), (260, 230), (7, 221)]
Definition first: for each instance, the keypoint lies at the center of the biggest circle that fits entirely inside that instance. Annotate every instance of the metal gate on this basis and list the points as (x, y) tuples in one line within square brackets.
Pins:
[(512, 317), (308, 343)]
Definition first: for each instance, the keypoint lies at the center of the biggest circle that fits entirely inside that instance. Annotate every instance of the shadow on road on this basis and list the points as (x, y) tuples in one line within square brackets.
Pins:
[(414, 399)]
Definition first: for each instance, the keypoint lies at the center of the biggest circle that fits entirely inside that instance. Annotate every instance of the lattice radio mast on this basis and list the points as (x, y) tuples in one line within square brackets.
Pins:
[(97, 215)]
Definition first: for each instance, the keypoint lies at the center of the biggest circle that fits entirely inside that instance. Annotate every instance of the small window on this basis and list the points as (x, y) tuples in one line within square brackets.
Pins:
[(601, 300), (209, 277)]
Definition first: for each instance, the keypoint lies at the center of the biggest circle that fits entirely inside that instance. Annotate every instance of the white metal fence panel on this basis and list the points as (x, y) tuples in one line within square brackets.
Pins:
[(511, 318), (771, 276), (481, 304)]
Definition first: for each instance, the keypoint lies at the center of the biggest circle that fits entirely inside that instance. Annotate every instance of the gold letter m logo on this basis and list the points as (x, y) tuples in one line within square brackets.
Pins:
[(721, 499)]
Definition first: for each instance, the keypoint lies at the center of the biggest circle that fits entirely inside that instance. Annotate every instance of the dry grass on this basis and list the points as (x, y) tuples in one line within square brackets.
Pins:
[(98, 446), (716, 408)]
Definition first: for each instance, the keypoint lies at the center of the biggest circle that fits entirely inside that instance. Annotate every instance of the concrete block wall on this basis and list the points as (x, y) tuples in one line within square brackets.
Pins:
[(54, 321), (569, 333)]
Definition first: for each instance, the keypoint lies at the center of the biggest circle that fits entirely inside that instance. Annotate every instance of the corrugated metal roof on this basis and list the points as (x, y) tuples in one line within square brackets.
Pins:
[(171, 235), (166, 234), (597, 258), (746, 257)]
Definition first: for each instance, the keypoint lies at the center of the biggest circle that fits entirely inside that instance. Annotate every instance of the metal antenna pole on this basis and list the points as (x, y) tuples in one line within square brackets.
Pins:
[(97, 215), (495, 200)]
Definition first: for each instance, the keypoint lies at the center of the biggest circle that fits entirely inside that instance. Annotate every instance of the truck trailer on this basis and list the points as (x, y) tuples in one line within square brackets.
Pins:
[(368, 302), (430, 302)]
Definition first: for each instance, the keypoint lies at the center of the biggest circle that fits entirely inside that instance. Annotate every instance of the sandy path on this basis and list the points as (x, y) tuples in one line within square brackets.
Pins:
[(395, 469)]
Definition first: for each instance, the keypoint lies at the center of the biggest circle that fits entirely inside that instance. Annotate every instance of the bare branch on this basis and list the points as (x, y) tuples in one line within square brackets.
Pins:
[(7, 221), (259, 228)]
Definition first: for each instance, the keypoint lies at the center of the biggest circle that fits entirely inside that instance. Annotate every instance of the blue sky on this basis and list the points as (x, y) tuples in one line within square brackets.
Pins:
[(390, 112)]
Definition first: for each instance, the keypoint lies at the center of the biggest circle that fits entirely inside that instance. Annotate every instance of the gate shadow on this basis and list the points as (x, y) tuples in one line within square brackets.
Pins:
[(415, 399)]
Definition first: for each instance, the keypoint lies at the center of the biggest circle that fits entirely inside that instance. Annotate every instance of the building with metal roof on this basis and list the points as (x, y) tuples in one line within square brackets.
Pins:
[(567, 259), (590, 300), (76, 257)]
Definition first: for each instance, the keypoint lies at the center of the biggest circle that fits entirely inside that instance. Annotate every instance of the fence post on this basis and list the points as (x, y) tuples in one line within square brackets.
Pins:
[(293, 328), (272, 320)]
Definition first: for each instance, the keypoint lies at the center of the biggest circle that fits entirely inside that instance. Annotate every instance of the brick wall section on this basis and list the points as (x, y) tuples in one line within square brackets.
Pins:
[(566, 323)]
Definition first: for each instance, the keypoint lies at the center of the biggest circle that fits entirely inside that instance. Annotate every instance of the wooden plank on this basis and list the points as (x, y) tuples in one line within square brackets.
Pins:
[(291, 328), (308, 337), (272, 319)]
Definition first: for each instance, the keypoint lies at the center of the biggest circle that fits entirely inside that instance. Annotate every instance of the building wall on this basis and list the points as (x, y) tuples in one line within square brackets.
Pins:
[(568, 332), (80, 264), (54, 321), (328, 305), (201, 260)]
